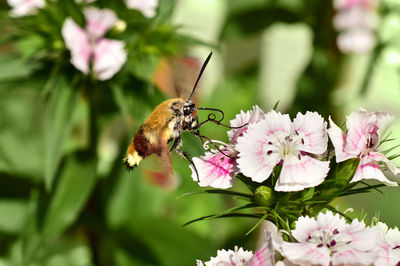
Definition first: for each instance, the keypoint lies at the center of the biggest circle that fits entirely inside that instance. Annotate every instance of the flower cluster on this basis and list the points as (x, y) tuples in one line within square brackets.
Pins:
[(89, 44), (90, 50), (28, 7), (356, 21), (324, 240), (261, 143)]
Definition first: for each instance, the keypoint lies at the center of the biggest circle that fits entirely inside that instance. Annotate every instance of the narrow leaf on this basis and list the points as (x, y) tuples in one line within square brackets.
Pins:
[(61, 107), (76, 183)]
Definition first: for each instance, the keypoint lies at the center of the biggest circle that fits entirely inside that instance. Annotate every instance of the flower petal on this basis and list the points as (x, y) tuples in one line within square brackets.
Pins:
[(338, 139), (311, 127), (249, 117), (370, 169), (384, 120), (146, 7), (298, 174), (77, 41), (109, 56), (358, 123), (359, 41), (22, 8), (257, 158), (99, 21), (215, 170), (305, 254)]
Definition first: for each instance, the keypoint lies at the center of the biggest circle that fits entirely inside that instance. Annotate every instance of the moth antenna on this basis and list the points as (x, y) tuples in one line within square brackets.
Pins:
[(200, 74), (212, 118)]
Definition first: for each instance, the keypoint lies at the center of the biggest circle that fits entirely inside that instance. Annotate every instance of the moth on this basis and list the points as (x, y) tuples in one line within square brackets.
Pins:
[(167, 123)]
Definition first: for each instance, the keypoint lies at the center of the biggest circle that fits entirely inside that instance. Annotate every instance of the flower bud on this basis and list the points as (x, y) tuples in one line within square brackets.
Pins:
[(263, 196), (120, 26)]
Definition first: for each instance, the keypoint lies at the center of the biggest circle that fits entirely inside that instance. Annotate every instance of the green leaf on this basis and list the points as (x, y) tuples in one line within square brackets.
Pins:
[(61, 107), (171, 244), (76, 183), (50, 215), (14, 68)]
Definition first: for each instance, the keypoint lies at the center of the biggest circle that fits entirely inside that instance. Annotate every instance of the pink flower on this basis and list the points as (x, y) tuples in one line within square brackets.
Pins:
[(146, 7), (361, 141), (88, 44), (356, 20), (248, 117), (276, 140), (22, 8), (215, 169), (388, 245), (328, 240)]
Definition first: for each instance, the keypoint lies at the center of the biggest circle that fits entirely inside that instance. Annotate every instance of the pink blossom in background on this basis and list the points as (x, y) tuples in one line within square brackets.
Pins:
[(329, 240), (146, 7), (22, 8), (276, 140), (88, 44), (364, 133), (388, 245), (215, 169), (356, 21)]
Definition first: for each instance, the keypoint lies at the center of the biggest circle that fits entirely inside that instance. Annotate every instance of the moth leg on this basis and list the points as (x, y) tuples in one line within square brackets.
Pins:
[(186, 156), (177, 143)]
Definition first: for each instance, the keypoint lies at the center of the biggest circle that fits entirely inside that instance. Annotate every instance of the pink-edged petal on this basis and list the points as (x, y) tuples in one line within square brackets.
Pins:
[(215, 170), (99, 21), (306, 254), (265, 255), (311, 127), (298, 174), (379, 157), (249, 117), (388, 245), (109, 56), (370, 169), (358, 124), (257, 158), (338, 139), (146, 7), (77, 41)]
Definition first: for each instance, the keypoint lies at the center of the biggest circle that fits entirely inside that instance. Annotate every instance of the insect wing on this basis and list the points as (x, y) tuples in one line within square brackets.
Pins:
[(175, 76), (158, 171)]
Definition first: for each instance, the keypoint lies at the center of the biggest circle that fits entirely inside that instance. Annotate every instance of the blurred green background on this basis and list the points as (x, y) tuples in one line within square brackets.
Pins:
[(97, 213)]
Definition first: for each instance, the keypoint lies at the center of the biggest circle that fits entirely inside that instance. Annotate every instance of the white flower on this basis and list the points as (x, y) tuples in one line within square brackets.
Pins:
[(388, 245), (240, 257), (364, 132), (88, 44), (215, 169), (329, 240), (276, 140), (146, 7), (25, 7), (249, 117), (356, 41)]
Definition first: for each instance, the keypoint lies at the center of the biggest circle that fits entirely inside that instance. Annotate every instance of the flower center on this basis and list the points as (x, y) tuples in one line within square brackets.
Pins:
[(286, 145), (332, 240)]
